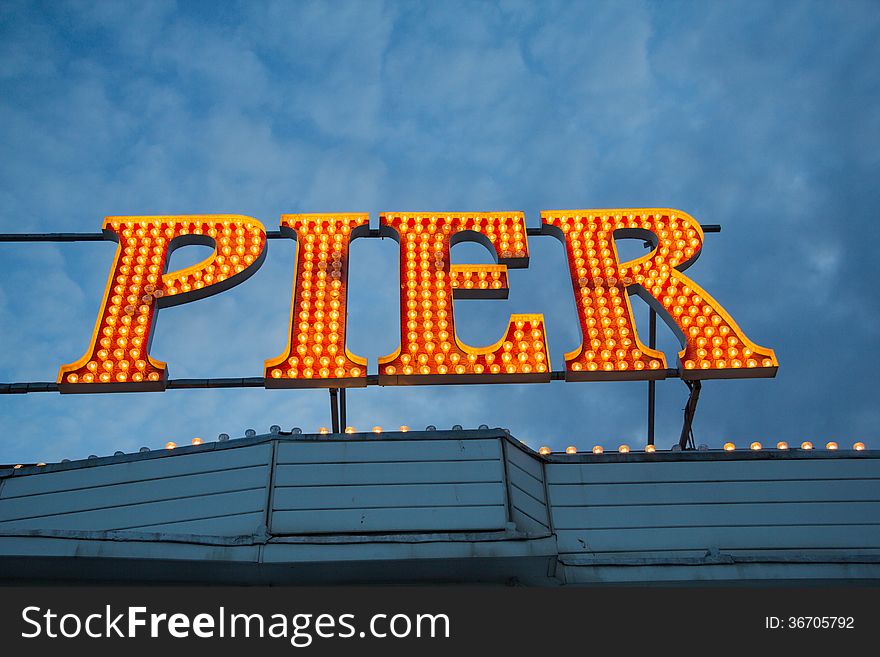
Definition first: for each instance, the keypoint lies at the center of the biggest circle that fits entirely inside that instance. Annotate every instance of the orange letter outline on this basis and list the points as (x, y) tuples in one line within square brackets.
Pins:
[(118, 357), (430, 351), (713, 345), (319, 302)]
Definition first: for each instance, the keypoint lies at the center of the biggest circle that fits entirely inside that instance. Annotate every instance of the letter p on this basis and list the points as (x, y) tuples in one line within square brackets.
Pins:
[(118, 355)]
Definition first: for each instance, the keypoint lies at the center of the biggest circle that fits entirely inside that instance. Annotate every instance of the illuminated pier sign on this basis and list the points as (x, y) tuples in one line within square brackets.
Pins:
[(430, 351)]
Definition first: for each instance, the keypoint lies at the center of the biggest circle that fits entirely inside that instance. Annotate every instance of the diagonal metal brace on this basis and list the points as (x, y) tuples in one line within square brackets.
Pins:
[(686, 440)]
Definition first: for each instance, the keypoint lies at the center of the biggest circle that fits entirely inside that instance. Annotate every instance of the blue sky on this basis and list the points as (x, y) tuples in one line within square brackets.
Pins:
[(762, 117)]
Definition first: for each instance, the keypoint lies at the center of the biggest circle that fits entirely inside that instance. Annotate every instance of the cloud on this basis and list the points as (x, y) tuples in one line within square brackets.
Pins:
[(760, 119)]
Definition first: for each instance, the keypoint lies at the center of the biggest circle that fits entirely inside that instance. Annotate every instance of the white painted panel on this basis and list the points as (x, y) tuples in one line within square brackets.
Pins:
[(706, 515), (525, 462), (813, 554), (722, 538), (819, 490), (77, 549), (355, 497), (84, 499), (525, 481), (171, 465), (139, 515), (388, 473), (749, 574), (528, 505), (702, 471), (401, 519), (527, 524), (244, 524), (387, 451)]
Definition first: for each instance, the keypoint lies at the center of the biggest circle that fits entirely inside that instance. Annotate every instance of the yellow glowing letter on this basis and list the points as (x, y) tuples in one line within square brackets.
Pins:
[(430, 352), (713, 345), (316, 355), (118, 358)]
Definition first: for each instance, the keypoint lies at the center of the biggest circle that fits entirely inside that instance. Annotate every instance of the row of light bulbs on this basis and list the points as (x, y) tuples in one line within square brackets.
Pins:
[(728, 447), (275, 429), (250, 433), (782, 445), (543, 451)]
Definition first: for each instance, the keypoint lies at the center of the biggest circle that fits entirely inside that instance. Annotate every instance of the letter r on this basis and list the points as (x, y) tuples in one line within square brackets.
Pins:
[(713, 346)]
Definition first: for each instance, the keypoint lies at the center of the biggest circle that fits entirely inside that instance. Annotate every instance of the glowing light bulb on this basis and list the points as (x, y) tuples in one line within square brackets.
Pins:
[(755, 446), (806, 445), (650, 449), (323, 430), (196, 441), (571, 449), (729, 447), (859, 446), (598, 449), (782, 445), (404, 428), (377, 429), (623, 449), (170, 445), (544, 451), (831, 445), (349, 430)]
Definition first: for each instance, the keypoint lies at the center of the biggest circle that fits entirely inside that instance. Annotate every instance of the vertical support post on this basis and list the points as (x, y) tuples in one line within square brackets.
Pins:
[(342, 411), (687, 430), (334, 409), (652, 343)]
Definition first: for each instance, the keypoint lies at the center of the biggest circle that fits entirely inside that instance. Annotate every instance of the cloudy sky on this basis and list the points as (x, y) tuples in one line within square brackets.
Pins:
[(762, 117)]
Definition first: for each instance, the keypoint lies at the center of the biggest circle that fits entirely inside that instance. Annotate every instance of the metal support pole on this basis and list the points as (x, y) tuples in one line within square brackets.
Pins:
[(652, 385), (270, 234), (342, 411), (334, 409), (690, 409)]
